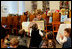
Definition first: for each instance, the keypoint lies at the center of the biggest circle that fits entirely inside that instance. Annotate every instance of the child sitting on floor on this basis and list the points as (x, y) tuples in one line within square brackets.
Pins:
[(66, 39), (49, 42), (13, 43)]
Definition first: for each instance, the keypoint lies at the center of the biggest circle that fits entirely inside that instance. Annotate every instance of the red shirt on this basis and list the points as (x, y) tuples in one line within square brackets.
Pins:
[(46, 12)]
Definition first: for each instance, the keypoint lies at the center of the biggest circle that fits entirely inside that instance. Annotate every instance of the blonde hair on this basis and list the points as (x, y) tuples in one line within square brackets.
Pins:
[(14, 41), (38, 11)]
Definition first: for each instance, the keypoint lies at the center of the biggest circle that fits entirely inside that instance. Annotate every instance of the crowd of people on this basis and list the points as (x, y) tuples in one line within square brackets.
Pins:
[(36, 40)]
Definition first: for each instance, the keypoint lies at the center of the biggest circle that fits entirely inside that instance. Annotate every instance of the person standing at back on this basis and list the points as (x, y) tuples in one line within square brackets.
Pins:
[(38, 15), (47, 10)]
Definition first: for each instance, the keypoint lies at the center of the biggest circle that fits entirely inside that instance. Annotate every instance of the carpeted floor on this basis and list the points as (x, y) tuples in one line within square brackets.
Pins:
[(26, 41)]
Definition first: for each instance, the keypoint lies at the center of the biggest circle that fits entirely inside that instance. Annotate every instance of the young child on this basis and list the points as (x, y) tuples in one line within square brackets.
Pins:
[(13, 43), (35, 36), (66, 39), (49, 42)]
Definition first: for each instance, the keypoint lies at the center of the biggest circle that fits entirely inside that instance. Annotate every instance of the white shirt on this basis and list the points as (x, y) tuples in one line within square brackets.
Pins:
[(39, 32), (63, 40)]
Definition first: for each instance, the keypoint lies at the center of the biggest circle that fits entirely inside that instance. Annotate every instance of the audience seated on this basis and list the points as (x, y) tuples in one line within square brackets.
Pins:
[(14, 43), (36, 40)]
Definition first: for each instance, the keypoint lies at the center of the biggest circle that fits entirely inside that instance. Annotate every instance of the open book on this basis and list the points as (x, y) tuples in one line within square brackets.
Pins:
[(61, 30), (26, 25)]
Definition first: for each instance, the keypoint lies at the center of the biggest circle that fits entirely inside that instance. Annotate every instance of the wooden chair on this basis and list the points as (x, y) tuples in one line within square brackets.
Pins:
[(9, 20), (31, 17), (9, 23), (44, 16), (70, 14), (55, 26), (4, 20), (56, 22), (15, 24), (23, 19), (56, 17), (47, 30)]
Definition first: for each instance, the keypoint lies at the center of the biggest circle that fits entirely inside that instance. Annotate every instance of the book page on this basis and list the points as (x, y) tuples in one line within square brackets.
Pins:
[(61, 30), (26, 25)]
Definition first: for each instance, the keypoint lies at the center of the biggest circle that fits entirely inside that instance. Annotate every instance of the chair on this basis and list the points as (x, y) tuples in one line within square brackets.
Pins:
[(15, 24), (4, 20), (23, 19), (9, 23), (31, 17), (44, 16), (56, 17), (56, 22), (55, 27), (69, 14), (47, 30)]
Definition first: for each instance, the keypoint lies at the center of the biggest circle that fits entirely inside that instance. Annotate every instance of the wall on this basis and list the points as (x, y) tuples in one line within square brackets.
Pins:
[(11, 6), (54, 5), (14, 7), (39, 5), (28, 6), (21, 7), (7, 4)]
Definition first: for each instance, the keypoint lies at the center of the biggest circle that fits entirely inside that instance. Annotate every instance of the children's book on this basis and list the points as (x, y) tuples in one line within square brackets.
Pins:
[(61, 31), (26, 25)]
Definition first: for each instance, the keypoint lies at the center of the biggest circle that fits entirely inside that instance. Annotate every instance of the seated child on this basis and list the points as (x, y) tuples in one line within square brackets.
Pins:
[(22, 38), (35, 36), (49, 42), (22, 32), (66, 39), (13, 43)]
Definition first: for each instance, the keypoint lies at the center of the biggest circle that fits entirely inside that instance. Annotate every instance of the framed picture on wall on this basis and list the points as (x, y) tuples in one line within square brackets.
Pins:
[(4, 9)]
